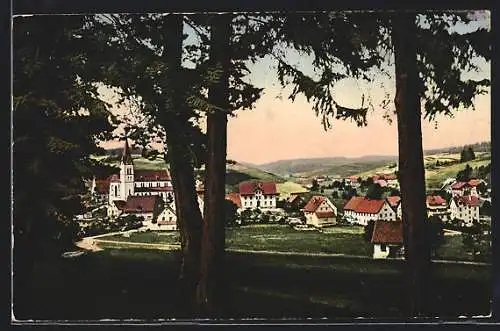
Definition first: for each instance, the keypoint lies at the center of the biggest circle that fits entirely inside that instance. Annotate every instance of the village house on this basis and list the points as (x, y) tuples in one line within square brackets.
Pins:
[(437, 206), (465, 188), (465, 208), (361, 210), (320, 211), (387, 239), (166, 221), (352, 181), (395, 203), (148, 207), (258, 195)]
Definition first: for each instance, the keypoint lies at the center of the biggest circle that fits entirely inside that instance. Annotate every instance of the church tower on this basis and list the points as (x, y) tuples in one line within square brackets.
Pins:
[(126, 173)]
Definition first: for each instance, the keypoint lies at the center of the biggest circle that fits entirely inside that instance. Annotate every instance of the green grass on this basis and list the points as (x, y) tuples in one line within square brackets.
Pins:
[(270, 237), (434, 178), (454, 249), (141, 284), (286, 188), (346, 240)]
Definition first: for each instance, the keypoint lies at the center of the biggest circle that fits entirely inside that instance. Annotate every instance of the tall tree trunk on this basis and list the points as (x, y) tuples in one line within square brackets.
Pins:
[(411, 163), (189, 217), (209, 294)]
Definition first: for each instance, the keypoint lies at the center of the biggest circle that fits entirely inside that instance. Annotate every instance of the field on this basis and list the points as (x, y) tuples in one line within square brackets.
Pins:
[(290, 187), (434, 178), (277, 238), (141, 284), (345, 240)]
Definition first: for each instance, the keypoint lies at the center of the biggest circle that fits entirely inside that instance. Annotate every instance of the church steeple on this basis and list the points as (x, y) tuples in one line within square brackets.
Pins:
[(126, 156)]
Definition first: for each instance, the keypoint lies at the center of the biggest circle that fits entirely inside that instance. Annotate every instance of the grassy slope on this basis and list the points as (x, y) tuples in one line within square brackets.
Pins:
[(290, 187), (434, 177), (140, 283)]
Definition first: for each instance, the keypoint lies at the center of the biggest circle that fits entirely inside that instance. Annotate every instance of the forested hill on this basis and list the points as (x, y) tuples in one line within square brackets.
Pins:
[(484, 146)]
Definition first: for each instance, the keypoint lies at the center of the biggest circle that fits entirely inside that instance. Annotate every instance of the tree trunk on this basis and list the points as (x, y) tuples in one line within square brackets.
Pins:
[(210, 291), (174, 119), (411, 163)]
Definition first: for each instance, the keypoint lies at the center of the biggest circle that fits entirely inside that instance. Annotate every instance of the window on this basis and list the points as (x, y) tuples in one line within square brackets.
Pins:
[(383, 248)]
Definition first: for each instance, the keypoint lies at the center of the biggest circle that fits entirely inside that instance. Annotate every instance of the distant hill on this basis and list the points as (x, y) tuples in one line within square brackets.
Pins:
[(340, 166)]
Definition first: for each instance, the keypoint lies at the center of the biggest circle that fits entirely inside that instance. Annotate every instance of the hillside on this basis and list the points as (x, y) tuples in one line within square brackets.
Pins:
[(333, 166), (236, 173), (436, 174)]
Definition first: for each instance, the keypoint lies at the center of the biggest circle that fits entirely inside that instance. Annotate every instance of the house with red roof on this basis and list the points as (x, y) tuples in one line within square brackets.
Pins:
[(320, 212), (387, 239), (438, 206), (465, 188), (465, 208), (361, 210), (258, 195)]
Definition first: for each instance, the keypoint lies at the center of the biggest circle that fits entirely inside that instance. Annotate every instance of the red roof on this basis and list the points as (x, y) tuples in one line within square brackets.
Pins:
[(390, 177), (474, 182), (353, 203), (102, 185), (387, 232), (435, 200), (394, 201), (325, 214), (235, 198), (314, 203), (119, 204), (151, 175), (251, 188), (468, 200), (140, 204), (364, 205), (458, 185)]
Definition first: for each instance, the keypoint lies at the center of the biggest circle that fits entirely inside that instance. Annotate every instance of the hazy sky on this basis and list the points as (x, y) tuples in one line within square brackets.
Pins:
[(280, 129)]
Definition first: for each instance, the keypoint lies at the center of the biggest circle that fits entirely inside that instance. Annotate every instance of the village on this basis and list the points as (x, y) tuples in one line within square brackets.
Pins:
[(145, 199)]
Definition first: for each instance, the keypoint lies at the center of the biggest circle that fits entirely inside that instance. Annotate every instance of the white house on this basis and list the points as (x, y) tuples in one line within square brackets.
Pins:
[(395, 203), (437, 206), (258, 195), (387, 239), (166, 221), (465, 188), (320, 211), (465, 208), (363, 210)]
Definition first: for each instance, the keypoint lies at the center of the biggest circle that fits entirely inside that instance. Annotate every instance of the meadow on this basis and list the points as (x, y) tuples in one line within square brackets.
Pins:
[(341, 240)]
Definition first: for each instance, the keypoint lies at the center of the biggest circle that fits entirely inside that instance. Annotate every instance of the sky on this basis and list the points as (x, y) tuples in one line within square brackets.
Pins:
[(278, 128)]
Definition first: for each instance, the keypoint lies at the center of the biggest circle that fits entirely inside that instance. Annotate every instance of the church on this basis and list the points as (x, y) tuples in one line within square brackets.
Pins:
[(146, 193)]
